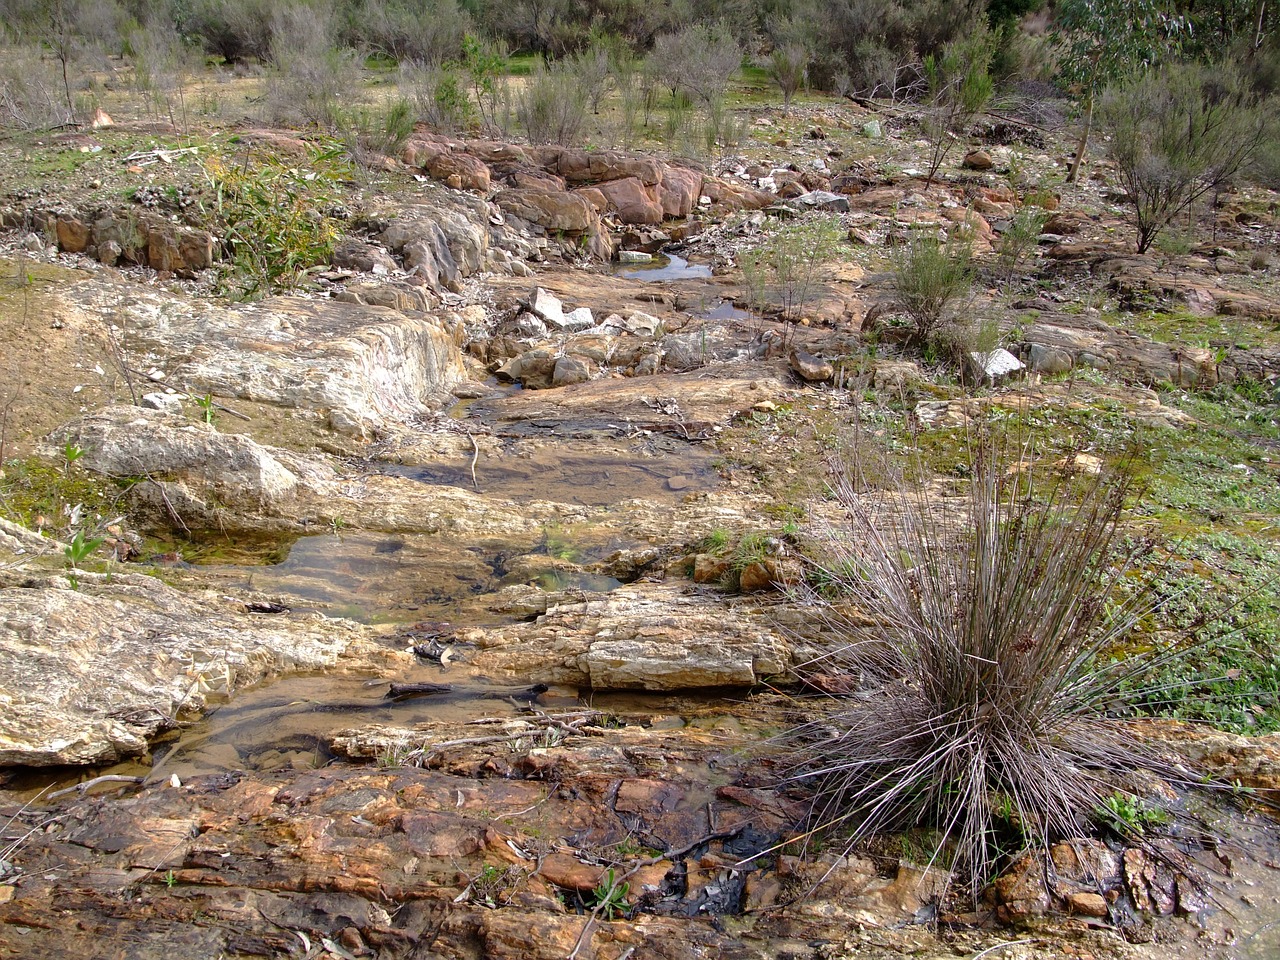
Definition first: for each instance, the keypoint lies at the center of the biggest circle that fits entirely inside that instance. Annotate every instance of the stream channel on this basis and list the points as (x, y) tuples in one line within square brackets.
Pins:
[(411, 584)]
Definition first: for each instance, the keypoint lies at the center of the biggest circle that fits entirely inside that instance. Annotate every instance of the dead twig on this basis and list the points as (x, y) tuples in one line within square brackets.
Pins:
[(82, 788), (584, 936)]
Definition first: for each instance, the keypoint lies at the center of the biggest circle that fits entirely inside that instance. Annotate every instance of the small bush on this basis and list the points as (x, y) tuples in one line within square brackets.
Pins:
[(786, 269), (272, 216), (370, 134), (959, 87), (1019, 241), (438, 95), (311, 76), (983, 653), (788, 67), (929, 279), (31, 94), (1176, 135), (553, 106), (697, 61), (425, 32)]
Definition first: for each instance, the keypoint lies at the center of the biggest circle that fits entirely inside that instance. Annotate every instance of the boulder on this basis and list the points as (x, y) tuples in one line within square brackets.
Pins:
[(633, 203), (823, 200), (73, 234), (809, 368), (537, 180), (90, 675), (658, 638), (178, 249), (547, 307), (977, 160), (472, 173), (1050, 361), (352, 254), (992, 367), (679, 191), (441, 243), (125, 441), (599, 166), (566, 212), (569, 370)]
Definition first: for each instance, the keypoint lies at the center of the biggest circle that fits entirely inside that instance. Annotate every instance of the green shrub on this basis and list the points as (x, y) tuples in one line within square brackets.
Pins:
[(438, 95), (311, 76), (929, 279), (552, 108), (1019, 241), (272, 215), (959, 86), (370, 133), (784, 272)]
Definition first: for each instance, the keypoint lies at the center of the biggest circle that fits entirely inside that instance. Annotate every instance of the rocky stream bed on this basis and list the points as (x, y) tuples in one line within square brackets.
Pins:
[(478, 459)]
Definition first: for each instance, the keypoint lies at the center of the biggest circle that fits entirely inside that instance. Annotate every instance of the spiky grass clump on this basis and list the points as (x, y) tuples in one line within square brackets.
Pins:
[(985, 675)]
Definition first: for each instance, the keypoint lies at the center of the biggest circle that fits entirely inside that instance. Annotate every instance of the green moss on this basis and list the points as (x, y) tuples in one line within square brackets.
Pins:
[(41, 495)]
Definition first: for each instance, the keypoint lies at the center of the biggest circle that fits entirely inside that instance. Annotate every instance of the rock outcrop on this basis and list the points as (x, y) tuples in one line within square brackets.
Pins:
[(88, 675)]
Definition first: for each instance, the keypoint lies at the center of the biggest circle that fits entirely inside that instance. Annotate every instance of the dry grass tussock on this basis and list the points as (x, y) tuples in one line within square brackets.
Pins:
[(987, 697)]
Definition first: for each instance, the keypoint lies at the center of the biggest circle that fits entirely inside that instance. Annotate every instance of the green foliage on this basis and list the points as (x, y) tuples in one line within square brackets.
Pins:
[(1019, 240), (697, 61), (370, 134), (439, 96), (785, 271), (1128, 816), (1177, 134), (208, 412), (959, 85), (1100, 41), (930, 278), (80, 549), (485, 64), (609, 898), (788, 67), (552, 108), (272, 214)]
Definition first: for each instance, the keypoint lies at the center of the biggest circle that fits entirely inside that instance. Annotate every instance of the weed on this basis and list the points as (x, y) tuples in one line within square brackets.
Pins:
[(71, 452), (80, 549), (1127, 815), (272, 215), (1019, 241), (170, 880), (929, 279), (207, 408), (786, 269), (609, 898)]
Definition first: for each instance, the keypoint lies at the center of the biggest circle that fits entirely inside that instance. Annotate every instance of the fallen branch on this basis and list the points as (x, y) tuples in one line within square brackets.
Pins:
[(146, 157), (82, 788), (400, 691)]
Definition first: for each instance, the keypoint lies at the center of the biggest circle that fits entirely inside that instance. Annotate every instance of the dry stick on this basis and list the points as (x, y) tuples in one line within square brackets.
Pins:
[(81, 788), (475, 455), (169, 506), (583, 937)]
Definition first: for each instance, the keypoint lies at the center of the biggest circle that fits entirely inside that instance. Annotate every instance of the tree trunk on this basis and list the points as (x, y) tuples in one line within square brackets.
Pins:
[(1083, 145)]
